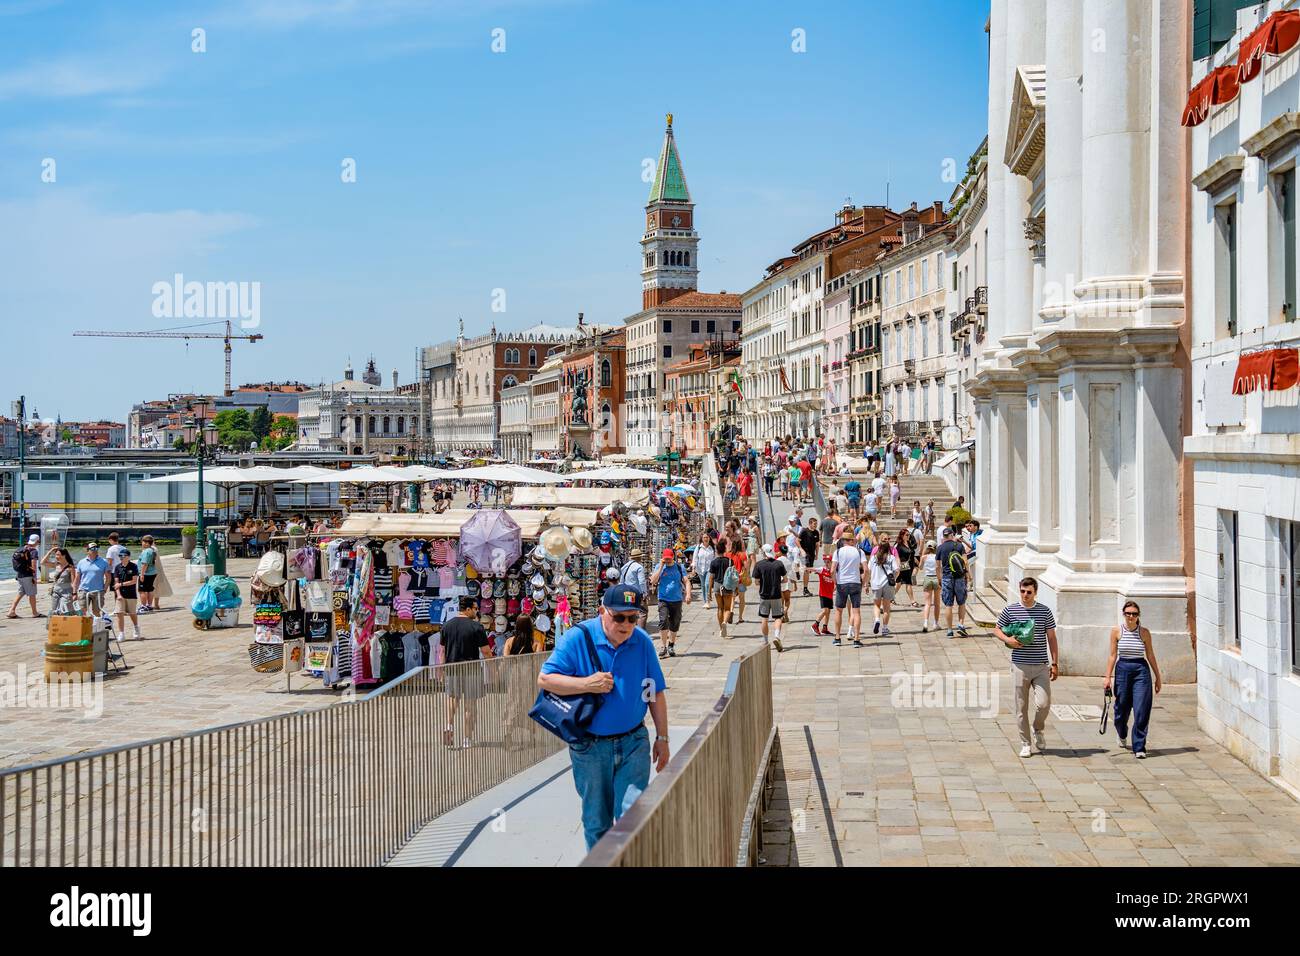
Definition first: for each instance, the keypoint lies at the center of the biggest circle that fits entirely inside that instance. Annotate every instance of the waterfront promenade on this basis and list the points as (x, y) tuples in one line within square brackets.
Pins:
[(874, 770)]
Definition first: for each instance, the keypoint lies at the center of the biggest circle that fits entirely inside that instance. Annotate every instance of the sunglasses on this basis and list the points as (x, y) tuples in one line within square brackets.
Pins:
[(624, 618), (1027, 590), (1130, 613)]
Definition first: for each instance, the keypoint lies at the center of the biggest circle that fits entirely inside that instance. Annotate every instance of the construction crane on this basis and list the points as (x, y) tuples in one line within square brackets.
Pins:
[(180, 333)]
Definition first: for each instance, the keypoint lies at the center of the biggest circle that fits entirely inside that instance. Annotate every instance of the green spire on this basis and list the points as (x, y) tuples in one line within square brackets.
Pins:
[(670, 181)]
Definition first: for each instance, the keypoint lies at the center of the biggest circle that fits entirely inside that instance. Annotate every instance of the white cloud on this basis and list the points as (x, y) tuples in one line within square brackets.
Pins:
[(71, 77)]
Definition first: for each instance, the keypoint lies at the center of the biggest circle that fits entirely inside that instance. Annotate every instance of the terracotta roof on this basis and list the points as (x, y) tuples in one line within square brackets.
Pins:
[(891, 239), (703, 300)]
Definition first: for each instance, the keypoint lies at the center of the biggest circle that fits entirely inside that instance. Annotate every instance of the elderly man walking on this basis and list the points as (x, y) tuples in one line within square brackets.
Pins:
[(612, 766)]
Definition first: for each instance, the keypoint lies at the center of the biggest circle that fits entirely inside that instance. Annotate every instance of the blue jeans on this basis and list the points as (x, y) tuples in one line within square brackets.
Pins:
[(1133, 692), (705, 578), (610, 775)]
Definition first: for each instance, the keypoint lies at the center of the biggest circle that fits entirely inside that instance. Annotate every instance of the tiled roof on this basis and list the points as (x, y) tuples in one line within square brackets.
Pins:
[(693, 301)]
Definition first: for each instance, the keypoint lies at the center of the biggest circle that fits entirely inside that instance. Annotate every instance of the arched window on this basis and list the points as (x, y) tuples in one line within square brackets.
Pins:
[(386, 424), (606, 378), (686, 258), (508, 382), (606, 415), (356, 449), (532, 357), (665, 255)]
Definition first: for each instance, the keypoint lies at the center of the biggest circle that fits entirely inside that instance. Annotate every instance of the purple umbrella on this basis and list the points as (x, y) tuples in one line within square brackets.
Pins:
[(491, 541)]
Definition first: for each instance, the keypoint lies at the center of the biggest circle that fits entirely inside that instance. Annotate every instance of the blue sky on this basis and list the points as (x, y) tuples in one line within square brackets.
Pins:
[(475, 170)]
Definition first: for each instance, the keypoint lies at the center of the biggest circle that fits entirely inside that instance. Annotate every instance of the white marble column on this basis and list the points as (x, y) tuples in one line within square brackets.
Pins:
[(997, 174), (1063, 158), (1116, 217), (1026, 46)]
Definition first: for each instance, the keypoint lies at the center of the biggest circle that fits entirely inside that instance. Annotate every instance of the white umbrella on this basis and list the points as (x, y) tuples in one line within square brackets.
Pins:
[(366, 474), (620, 473), (511, 475)]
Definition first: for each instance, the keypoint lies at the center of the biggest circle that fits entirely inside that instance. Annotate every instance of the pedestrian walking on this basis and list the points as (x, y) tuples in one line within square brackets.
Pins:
[(853, 494), (792, 566), (702, 561), (884, 580), (24, 565), (1136, 677), (464, 640), (929, 587), (61, 591), (724, 580), (895, 492), (148, 573), (1033, 665), (126, 579), (612, 767), (90, 580), (825, 598), (905, 551), (673, 591), (809, 538), (847, 566), (952, 581), (771, 574)]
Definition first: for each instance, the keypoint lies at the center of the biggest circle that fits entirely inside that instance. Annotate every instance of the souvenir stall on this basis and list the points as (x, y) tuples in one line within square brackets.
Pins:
[(368, 600)]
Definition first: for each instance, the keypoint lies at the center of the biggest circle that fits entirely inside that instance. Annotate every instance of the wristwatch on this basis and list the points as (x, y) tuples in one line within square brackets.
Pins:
[(662, 737)]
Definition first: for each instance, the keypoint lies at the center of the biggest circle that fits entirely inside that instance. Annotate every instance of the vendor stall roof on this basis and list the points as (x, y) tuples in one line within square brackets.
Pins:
[(366, 474), (620, 473), (579, 497), (448, 524), (230, 475), (510, 474)]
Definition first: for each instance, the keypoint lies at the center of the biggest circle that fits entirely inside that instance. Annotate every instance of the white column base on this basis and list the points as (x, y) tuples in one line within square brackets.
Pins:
[(996, 547), (1087, 605)]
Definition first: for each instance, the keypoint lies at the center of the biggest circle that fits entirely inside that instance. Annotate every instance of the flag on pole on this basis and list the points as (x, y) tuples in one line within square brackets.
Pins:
[(734, 381), (785, 382)]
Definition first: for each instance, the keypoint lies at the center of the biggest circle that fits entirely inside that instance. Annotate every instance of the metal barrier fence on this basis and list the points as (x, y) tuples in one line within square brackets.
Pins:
[(711, 795), (344, 785)]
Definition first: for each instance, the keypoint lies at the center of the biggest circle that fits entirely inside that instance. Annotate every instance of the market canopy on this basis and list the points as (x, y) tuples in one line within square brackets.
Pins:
[(578, 497), (510, 475), (620, 473), (366, 474), (448, 524), (230, 475)]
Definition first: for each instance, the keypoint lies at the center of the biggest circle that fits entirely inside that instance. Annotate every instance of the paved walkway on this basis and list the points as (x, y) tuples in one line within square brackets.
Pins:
[(180, 679)]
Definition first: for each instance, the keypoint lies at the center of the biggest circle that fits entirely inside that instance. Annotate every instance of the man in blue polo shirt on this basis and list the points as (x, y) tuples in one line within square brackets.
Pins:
[(612, 767)]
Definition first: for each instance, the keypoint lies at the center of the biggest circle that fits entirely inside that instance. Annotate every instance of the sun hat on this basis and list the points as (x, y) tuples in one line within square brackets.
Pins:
[(270, 570), (543, 623)]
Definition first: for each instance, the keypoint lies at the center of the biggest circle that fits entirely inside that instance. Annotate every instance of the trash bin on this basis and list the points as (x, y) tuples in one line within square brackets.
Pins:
[(217, 549)]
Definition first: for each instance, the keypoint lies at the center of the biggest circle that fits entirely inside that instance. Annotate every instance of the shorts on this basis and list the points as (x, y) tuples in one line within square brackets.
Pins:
[(810, 559), (794, 483), (670, 615), (929, 583), (92, 602), (848, 593), (147, 582), (27, 587), (826, 602), (952, 591), (771, 607), (905, 576), (465, 682), (883, 594), (724, 601), (126, 605), (854, 501)]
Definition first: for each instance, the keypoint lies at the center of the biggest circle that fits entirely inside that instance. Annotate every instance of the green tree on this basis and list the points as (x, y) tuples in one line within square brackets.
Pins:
[(261, 423), (66, 435), (234, 428), (284, 430)]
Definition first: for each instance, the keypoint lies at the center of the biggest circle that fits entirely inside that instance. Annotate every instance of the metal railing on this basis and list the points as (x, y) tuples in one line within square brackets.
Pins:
[(706, 808), (343, 785)]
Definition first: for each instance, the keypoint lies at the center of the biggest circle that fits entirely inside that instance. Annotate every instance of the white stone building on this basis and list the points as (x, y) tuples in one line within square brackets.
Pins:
[(765, 311), (360, 417), (1243, 447), (516, 427), (544, 414), (914, 340), (1080, 397)]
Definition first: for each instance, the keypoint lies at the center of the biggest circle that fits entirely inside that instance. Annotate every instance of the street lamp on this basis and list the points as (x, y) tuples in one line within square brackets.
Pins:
[(200, 447)]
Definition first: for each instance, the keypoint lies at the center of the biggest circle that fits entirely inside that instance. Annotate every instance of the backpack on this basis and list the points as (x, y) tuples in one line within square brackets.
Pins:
[(730, 579), (20, 562), (956, 565)]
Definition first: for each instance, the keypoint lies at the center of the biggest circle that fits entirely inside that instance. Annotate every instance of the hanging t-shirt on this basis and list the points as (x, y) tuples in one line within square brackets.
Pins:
[(411, 646)]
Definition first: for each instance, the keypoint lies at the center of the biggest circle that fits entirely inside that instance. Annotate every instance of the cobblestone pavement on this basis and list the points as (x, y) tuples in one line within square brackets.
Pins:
[(875, 770), (180, 679)]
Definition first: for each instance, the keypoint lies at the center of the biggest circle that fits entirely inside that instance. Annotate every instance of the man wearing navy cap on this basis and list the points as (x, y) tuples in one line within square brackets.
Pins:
[(612, 766)]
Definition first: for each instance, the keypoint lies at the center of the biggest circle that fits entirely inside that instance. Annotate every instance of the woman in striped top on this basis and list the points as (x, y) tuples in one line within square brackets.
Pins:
[(1136, 675)]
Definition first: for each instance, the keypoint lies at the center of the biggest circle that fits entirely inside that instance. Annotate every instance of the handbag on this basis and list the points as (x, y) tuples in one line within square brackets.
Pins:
[(569, 717), (1105, 710)]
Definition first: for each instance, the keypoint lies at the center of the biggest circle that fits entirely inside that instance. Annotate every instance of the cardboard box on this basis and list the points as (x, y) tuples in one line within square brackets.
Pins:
[(65, 629)]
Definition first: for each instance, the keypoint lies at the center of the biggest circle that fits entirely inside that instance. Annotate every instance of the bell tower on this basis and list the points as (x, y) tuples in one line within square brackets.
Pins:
[(670, 245)]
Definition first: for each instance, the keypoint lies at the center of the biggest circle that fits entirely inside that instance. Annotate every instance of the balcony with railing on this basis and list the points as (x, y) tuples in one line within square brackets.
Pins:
[(959, 324), (982, 299)]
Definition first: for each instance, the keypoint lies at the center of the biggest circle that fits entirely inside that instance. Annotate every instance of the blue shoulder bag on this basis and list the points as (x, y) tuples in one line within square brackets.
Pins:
[(569, 717)]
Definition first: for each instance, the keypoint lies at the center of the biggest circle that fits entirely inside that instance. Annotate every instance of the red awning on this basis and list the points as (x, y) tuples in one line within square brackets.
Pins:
[(1268, 370), (1220, 86), (1274, 36)]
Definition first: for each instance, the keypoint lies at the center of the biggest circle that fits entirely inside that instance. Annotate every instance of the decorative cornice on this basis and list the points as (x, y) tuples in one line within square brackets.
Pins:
[(1027, 130), (1220, 174), (1144, 345), (1275, 136)]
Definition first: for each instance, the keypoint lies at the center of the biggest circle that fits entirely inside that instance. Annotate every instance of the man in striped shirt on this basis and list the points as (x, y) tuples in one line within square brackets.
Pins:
[(1031, 665)]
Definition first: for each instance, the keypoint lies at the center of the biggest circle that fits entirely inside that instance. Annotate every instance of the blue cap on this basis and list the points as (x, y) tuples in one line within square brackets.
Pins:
[(623, 597)]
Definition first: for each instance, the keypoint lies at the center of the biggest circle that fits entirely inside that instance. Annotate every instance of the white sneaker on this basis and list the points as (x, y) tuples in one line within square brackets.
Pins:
[(465, 744), (137, 636), (1123, 743), (1025, 751), (1040, 742), (1141, 755)]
